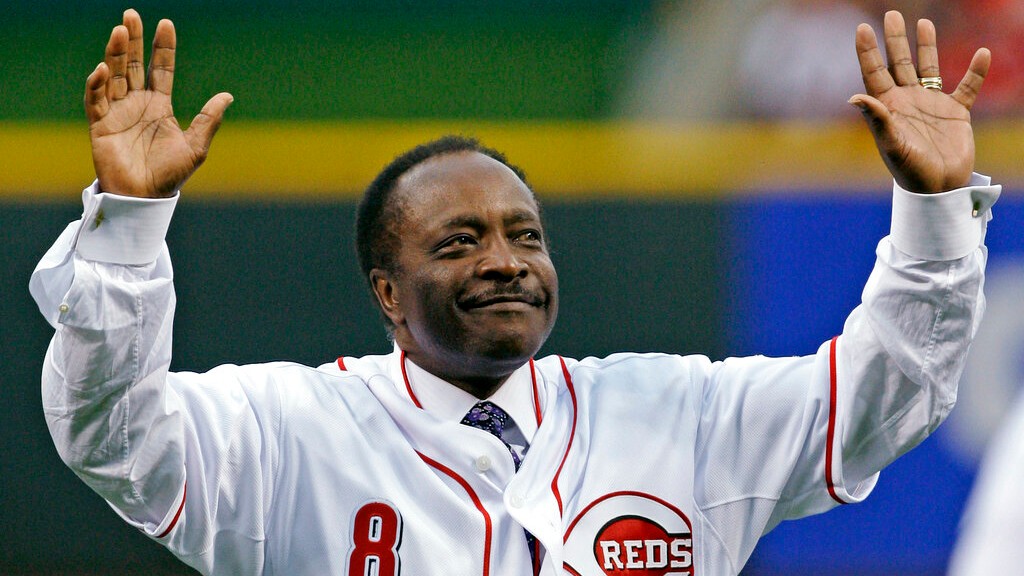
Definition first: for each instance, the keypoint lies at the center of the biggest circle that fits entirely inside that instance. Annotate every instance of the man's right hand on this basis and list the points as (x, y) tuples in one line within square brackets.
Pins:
[(138, 149)]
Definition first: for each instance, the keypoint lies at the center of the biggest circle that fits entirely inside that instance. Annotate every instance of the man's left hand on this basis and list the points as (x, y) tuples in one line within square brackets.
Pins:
[(923, 134)]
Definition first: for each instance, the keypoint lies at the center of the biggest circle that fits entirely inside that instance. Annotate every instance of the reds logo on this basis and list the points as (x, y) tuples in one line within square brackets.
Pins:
[(630, 533)]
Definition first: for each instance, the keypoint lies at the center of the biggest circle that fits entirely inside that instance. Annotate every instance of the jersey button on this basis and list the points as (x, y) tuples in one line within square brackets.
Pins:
[(483, 464), (517, 500)]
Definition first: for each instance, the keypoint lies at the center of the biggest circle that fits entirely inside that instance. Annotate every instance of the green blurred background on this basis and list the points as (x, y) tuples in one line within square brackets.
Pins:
[(348, 59)]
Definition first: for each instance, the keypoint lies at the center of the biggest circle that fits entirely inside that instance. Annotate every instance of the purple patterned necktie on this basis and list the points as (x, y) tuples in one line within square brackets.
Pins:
[(488, 416)]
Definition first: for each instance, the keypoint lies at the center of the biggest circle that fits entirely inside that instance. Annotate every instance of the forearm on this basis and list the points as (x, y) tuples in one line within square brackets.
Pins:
[(902, 352), (882, 385), (103, 378)]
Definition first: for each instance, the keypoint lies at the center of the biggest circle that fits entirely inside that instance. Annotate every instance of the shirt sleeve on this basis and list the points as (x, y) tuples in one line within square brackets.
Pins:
[(162, 454), (801, 435)]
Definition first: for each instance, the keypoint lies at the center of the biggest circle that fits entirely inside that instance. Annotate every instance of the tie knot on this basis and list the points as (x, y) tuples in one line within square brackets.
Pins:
[(487, 416)]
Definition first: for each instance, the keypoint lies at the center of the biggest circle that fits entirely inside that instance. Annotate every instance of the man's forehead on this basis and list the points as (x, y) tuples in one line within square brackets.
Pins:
[(457, 166), (459, 177)]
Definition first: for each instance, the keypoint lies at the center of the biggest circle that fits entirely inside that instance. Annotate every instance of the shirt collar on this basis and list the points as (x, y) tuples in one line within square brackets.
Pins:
[(449, 402)]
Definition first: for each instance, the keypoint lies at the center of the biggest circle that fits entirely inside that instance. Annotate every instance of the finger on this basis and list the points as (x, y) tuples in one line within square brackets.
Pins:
[(927, 52), (116, 58), (136, 74), (204, 126), (876, 114), (872, 66), (96, 104), (967, 91), (881, 124), (897, 48), (161, 63)]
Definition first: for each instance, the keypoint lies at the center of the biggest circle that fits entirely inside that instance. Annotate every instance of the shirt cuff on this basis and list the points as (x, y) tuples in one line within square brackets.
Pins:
[(123, 229), (944, 226)]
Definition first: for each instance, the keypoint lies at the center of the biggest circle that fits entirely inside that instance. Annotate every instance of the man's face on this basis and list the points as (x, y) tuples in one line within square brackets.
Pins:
[(474, 294)]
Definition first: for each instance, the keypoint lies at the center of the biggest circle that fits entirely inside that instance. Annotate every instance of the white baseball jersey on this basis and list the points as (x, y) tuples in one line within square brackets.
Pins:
[(641, 464)]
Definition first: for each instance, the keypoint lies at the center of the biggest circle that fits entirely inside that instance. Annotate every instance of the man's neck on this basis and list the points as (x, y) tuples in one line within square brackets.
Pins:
[(482, 389), (479, 377), (519, 396)]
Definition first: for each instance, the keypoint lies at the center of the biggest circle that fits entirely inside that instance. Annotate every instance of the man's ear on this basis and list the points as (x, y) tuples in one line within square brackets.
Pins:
[(387, 298)]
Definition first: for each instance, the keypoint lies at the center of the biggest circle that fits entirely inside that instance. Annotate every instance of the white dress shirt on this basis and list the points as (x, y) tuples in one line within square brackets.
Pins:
[(451, 403)]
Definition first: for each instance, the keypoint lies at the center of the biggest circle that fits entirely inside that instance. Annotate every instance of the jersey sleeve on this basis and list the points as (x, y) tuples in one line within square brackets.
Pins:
[(167, 459), (789, 437)]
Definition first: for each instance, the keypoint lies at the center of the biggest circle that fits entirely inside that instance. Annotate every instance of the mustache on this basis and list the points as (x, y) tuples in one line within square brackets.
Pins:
[(506, 293)]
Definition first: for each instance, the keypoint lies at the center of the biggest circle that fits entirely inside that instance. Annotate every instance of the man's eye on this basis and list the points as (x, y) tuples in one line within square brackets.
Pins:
[(460, 240), (529, 236)]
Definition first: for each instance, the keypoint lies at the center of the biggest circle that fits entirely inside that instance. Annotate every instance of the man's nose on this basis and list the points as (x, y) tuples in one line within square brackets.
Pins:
[(500, 261)]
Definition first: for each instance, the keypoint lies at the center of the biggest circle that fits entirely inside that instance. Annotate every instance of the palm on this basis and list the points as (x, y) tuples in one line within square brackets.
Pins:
[(138, 147), (934, 141), (924, 135), (142, 147)]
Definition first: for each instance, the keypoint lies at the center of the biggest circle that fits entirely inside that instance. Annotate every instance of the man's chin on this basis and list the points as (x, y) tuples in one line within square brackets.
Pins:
[(509, 346)]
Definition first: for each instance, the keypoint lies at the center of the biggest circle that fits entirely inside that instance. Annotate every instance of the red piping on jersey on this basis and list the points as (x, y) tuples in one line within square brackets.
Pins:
[(536, 393), (476, 500), (408, 386), (831, 422), (341, 363), (536, 409), (177, 515), (572, 434), (664, 503), (536, 557)]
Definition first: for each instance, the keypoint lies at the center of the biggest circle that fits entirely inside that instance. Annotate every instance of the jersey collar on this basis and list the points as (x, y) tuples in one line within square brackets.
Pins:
[(519, 395)]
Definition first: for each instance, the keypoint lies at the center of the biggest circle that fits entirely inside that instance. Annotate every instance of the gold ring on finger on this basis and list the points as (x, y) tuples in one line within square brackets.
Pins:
[(931, 82)]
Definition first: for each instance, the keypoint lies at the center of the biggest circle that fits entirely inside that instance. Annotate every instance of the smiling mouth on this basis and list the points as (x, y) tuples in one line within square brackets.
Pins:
[(503, 302)]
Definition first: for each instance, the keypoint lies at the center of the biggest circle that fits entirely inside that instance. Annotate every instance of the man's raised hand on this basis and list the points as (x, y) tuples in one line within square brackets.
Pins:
[(138, 149), (924, 135)]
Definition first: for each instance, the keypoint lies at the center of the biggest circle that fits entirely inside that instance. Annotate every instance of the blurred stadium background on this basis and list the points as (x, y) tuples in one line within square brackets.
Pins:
[(706, 186)]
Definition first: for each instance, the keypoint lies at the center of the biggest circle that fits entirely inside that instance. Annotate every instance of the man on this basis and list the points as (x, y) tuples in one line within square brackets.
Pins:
[(639, 464)]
